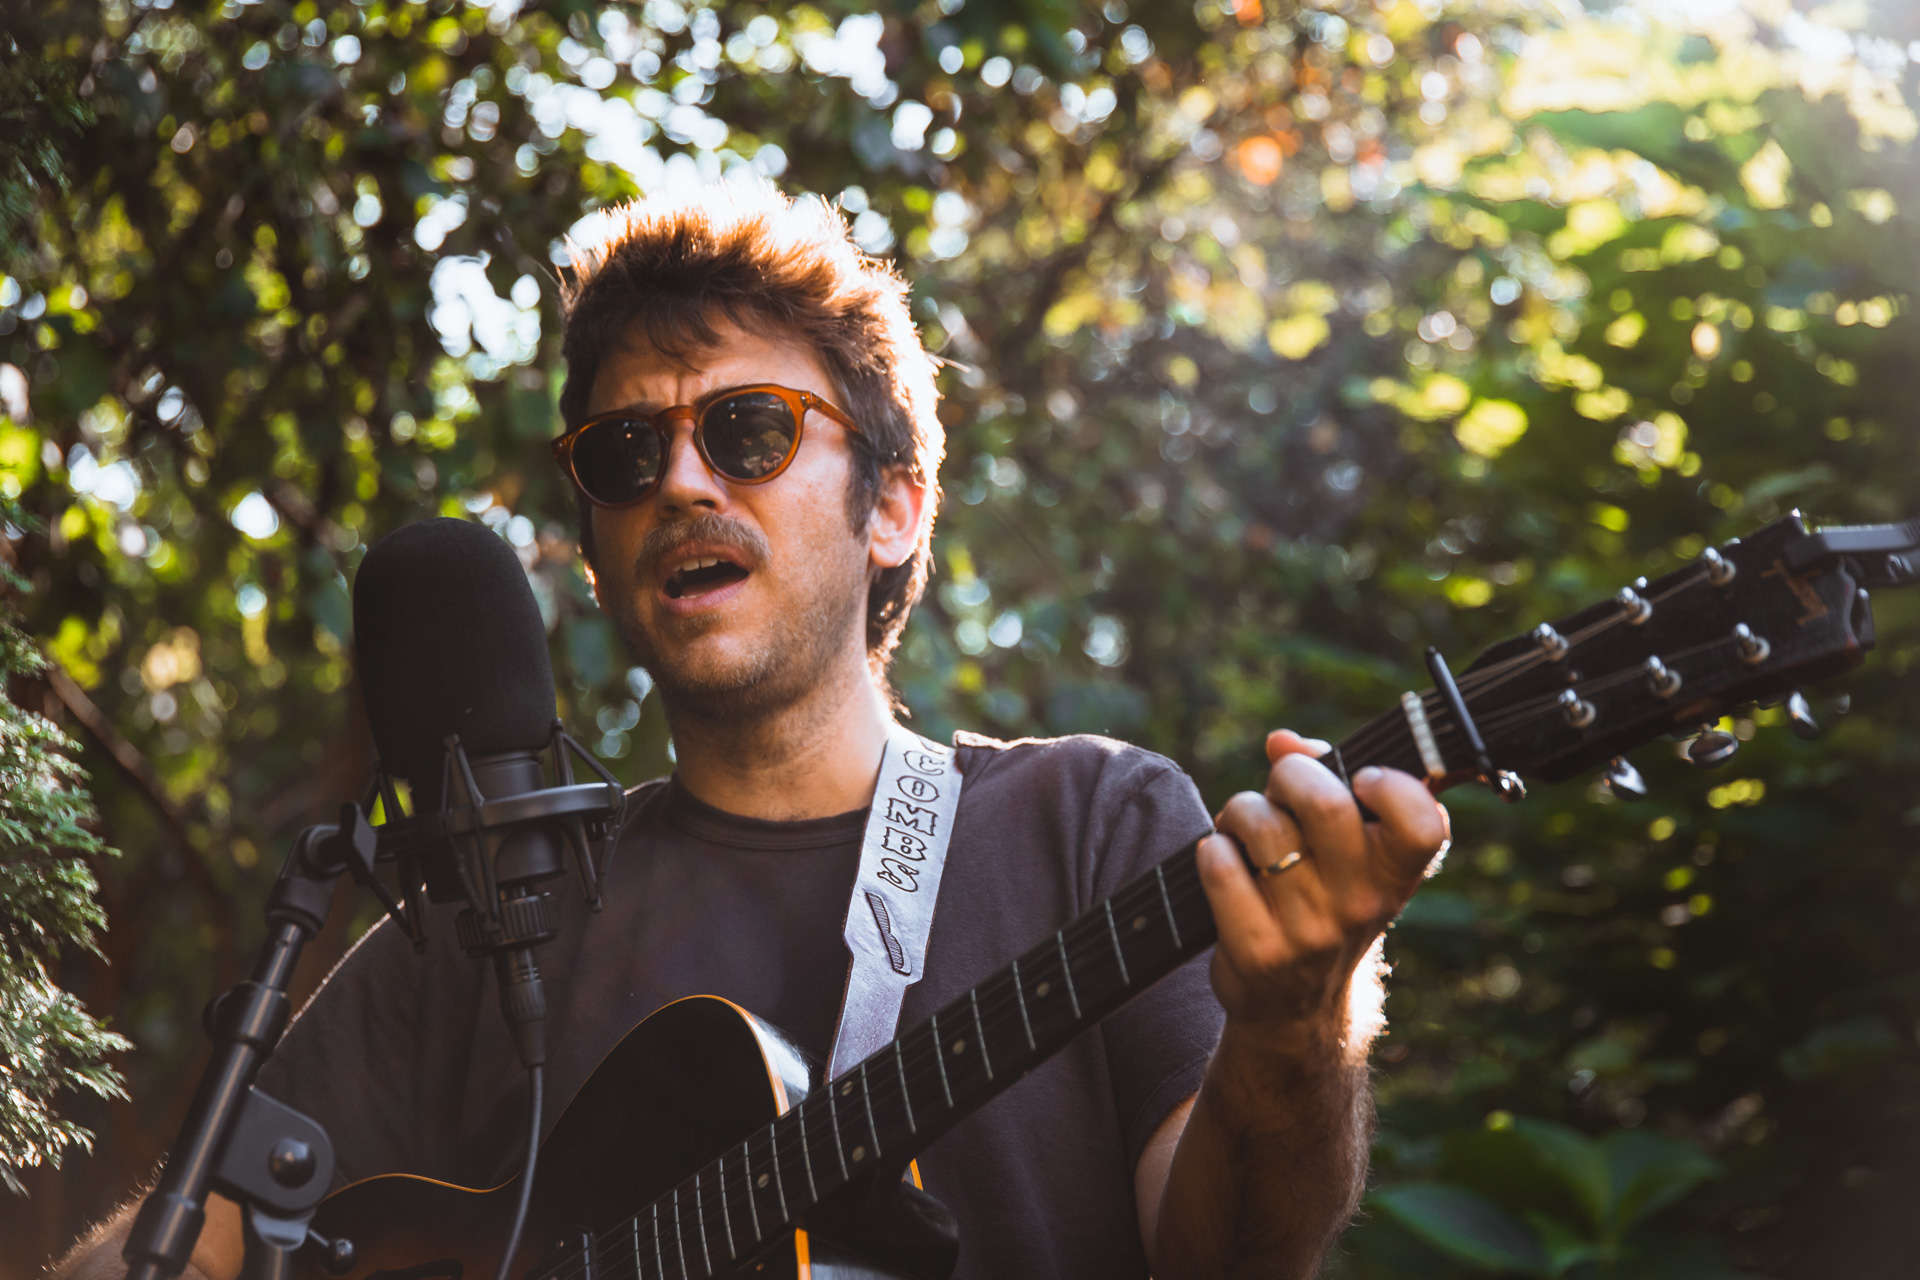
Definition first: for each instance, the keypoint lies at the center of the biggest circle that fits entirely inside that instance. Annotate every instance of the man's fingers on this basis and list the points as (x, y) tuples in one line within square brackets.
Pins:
[(1267, 918), (1413, 826), (1329, 821), (1286, 742), (1245, 921)]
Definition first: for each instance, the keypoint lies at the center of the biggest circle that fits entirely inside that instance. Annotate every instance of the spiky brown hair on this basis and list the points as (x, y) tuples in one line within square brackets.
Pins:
[(666, 267)]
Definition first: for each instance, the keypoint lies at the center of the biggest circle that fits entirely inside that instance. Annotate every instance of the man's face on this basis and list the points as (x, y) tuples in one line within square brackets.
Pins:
[(737, 598)]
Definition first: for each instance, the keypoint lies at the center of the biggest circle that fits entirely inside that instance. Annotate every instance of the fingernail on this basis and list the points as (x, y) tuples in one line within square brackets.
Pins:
[(1367, 774), (1318, 744)]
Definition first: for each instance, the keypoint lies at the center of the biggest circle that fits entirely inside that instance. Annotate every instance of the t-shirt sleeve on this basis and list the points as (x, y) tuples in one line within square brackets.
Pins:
[(1158, 1044)]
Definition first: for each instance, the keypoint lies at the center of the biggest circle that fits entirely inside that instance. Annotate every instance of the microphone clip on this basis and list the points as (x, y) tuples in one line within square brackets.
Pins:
[(498, 829)]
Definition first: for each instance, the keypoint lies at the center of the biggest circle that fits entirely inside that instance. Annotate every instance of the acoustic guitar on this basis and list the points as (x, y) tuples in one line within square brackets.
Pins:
[(701, 1148)]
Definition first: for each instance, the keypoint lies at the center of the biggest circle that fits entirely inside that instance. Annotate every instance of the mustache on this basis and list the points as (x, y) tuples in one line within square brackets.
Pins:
[(705, 527)]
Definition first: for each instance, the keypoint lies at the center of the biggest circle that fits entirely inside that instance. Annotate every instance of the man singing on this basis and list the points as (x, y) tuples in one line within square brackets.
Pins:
[(751, 431)]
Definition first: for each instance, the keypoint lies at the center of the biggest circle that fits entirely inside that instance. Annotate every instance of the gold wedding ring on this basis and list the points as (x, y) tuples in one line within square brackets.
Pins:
[(1291, 860)]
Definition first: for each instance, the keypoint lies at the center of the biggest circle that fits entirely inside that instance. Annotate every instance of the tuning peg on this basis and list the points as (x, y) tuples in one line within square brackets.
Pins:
[(1800, 717), (1711, 747), (1720, 570), (1624, 780), (1506, 784)]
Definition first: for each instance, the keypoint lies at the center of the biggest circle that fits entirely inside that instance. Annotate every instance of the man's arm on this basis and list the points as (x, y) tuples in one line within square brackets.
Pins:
[(1259, 1172), (216, 1256)]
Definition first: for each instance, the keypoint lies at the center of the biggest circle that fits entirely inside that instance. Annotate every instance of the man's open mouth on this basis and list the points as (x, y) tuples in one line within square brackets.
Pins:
[(697, 577)]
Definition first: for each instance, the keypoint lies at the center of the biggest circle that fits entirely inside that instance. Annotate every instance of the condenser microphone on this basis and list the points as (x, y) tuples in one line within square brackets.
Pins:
[(453, 664)]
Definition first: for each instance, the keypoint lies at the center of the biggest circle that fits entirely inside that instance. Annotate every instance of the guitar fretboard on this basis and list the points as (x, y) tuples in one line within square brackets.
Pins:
[(890, 1107)]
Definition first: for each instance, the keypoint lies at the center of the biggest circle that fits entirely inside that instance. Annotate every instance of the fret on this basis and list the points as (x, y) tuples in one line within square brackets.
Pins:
[(1197, 913), (1098, 979), (720, 1193), (700, 1223), (679, 1241), (779, 1183), (1135, 911), (1004, 1027), (1020, 997), (746, 1183), (586, 1264), (833, 1124), (639, 1269), (980, 1032), (806, 1158), (940, 1059), (1052, 1017), (659, 1259), (866, 1097), (1066, 971), (1113, 933), (900, 1068), (1166, 903)]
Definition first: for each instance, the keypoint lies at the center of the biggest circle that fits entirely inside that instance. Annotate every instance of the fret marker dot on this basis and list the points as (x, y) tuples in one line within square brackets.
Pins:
[(1042, 989), (846, 1088), (762, 1181), (959, 1046), (1139, 923), (859, 1154)]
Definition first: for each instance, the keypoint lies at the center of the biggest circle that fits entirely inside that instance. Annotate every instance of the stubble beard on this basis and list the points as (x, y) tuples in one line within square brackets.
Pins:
[(794, 655)]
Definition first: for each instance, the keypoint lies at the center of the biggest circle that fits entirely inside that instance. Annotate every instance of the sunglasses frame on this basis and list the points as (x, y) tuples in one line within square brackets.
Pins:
[(797, 402)]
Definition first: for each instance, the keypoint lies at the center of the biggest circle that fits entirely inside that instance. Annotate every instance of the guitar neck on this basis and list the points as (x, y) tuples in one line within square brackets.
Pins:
[(1747, 620), (893, 1105)]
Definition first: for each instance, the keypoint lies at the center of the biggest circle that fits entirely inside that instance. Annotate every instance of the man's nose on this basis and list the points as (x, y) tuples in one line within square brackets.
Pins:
[(686, 485)]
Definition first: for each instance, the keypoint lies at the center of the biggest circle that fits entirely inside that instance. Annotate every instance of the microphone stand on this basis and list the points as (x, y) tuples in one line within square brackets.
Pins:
[(274, 1162)]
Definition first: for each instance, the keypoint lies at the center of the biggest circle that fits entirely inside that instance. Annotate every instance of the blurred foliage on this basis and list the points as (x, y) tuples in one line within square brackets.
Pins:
[(48, 1043), (1287, 339)]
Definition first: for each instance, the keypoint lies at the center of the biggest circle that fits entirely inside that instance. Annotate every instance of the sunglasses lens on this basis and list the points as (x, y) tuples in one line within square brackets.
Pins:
[(748, 436), (618, 460)]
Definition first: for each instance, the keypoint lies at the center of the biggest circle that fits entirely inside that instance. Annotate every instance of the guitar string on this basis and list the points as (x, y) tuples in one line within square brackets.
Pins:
[(1362, 744), (917, 1048), (1381, 732), (1519, 712)]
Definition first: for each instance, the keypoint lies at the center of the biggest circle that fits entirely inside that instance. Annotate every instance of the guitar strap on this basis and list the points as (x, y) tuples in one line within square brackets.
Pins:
[(890, 916)]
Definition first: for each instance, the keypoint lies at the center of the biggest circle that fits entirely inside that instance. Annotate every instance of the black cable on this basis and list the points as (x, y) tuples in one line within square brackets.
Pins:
[(534, 1083)]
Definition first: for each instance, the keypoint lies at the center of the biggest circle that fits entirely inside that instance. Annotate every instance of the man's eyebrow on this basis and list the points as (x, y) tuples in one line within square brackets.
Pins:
[(645, 408)]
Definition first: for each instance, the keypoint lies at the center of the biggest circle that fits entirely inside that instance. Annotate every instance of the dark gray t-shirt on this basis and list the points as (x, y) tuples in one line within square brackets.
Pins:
[(406, 1062)]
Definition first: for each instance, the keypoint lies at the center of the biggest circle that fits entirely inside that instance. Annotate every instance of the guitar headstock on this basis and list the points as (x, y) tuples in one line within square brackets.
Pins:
[(1749, 621)]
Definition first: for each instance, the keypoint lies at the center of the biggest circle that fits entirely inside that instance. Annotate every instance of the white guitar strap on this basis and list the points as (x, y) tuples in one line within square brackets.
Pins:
[(890, 917)]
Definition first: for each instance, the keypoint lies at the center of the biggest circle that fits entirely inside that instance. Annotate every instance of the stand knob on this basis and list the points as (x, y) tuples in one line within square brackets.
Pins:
[(336, 1255), (292, 1163)]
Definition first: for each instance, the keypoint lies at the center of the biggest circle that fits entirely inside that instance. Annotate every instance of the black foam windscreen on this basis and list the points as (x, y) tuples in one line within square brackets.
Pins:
[(449, 640)]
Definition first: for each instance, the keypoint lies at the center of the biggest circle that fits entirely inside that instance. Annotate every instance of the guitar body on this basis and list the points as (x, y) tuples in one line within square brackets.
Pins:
[(692, 1078)]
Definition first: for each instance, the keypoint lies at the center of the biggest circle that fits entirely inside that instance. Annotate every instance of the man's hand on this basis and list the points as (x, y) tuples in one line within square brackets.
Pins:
[(1292, 936), (1258, 1175)]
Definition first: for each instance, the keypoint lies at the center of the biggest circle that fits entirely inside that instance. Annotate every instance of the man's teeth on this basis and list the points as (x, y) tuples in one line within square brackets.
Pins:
[(691, 565)]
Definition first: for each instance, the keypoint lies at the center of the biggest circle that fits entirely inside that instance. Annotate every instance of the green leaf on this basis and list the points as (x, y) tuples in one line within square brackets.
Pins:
[(1648, 1173), (1464, 1225), (1576, 1161)]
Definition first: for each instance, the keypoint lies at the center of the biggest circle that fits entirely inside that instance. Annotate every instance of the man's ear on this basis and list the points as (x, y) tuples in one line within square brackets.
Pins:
[(893, 527)]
